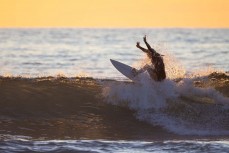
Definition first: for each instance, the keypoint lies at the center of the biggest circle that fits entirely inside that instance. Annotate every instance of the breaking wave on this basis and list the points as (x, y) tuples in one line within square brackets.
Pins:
[(185, 107), (60, 107)]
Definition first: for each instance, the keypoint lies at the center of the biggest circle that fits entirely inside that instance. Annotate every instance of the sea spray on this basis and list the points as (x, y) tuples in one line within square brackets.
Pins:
[(173, 105), (140, 95), (174, 69), (186, 88)]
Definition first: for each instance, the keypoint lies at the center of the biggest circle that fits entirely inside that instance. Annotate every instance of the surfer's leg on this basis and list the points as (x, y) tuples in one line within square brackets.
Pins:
[(152, 74), (144, 68), (136, 72)]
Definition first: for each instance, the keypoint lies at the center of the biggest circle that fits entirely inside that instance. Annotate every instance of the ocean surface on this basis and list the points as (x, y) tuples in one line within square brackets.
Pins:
[(60, 93)]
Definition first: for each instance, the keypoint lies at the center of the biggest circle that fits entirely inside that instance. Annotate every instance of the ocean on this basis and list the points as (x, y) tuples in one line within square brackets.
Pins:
[(60, 93)]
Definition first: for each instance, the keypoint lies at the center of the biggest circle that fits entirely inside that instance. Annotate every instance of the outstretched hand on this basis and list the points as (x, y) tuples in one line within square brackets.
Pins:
[(144, 38), (138, 44)]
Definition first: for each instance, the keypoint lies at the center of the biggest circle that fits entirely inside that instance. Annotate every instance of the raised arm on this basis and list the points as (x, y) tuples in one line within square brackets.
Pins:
[(148, 46), (143, 49)]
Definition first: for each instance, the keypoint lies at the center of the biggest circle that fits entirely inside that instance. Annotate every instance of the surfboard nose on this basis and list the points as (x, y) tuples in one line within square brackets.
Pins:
[(124, 69)]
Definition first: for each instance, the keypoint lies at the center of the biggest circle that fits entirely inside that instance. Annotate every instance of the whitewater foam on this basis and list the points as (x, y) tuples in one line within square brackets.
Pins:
[(179, 107)]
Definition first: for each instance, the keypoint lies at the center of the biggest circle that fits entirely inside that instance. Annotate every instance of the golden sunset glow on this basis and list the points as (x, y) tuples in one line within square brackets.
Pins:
[(114, 13)]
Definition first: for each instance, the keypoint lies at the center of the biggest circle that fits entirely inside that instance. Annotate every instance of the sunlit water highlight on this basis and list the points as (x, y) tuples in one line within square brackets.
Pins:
[(42, 52), (58, 114)]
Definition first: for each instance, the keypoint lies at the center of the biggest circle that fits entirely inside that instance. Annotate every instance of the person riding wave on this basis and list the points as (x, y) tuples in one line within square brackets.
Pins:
[(157, 68)]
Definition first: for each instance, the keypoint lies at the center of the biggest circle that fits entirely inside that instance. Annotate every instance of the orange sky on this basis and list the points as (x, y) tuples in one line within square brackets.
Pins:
[(114, 13)]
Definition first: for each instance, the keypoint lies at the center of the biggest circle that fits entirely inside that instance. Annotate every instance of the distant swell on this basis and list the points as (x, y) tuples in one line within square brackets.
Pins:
[(66, 108)]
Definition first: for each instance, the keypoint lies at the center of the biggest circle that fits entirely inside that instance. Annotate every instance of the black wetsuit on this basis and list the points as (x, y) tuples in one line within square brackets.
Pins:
[(156, 60), (159, 66)]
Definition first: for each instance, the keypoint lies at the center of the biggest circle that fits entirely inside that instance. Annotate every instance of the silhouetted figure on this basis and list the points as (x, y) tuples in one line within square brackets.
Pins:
[(157, 68)]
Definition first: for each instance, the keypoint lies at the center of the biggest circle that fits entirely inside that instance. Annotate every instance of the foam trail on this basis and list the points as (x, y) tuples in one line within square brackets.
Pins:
[(186, 88), (179, 107), (141, 95)]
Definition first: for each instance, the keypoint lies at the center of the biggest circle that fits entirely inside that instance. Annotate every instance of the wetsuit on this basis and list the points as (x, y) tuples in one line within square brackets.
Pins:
[(156, 60), (159, 67)]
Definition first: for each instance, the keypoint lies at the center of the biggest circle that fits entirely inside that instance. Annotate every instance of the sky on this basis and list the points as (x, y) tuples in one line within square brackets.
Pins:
[(114, 13)]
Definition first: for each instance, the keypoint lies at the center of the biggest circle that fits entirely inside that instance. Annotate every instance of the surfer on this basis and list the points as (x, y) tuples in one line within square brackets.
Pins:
[(157, 68)]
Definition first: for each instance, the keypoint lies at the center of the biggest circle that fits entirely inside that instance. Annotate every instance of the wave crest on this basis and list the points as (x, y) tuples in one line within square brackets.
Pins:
[(180, 107)]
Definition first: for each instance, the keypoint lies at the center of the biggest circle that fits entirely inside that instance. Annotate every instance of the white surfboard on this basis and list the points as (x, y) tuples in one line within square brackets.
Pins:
[(126, 70)]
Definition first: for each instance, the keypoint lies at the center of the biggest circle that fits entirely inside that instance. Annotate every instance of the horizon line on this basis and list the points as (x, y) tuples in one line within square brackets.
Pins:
[(101, 27)]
